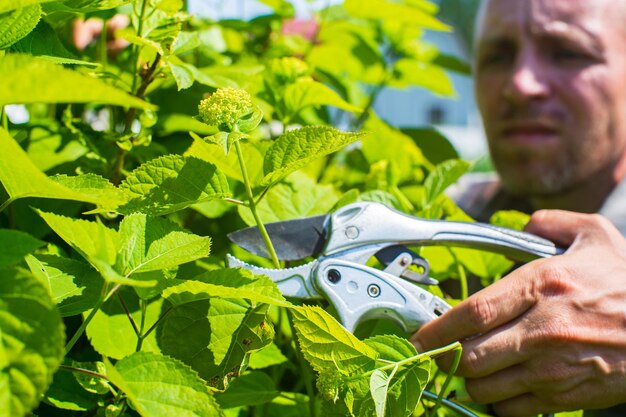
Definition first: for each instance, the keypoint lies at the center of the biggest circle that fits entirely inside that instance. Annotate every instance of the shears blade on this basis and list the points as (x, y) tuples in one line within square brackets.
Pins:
[(292, 239)]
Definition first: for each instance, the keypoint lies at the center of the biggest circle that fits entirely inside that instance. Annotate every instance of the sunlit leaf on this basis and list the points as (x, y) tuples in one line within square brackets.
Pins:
[(31, 341), (296, 148), (15, 245), (26, 79), (17, 24), (160, 386), (248, 390)]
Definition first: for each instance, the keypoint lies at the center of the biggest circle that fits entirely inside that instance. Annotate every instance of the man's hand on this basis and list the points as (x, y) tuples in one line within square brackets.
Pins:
[(551, 336)]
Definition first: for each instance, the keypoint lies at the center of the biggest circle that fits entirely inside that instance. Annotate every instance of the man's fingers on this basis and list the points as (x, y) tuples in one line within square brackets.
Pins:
[(503, 385), (490, 308), (563, 227)]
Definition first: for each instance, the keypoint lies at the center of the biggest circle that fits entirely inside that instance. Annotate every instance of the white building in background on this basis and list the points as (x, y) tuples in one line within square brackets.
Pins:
[(457, 118)]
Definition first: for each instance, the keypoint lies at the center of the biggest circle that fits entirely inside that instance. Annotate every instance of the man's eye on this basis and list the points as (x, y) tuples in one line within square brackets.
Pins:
[(495, 59), (569, 55)]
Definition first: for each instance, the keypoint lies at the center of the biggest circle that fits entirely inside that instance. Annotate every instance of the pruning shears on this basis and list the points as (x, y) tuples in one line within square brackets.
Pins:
[(343, 242)]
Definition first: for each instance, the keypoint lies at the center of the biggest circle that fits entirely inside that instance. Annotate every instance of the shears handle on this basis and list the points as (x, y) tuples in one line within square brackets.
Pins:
[(363, 224)]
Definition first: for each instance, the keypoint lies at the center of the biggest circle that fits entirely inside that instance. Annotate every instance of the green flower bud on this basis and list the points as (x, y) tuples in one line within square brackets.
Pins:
[(229, 109), (288, 70)]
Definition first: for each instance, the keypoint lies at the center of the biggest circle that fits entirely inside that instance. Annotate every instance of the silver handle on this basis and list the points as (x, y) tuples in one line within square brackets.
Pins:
[(372, 223)]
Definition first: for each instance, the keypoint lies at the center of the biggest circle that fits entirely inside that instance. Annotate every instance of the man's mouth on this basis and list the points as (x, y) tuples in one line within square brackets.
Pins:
[(529, 133)]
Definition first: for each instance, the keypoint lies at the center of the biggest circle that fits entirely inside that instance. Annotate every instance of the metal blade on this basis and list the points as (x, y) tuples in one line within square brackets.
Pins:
[(292, 239)]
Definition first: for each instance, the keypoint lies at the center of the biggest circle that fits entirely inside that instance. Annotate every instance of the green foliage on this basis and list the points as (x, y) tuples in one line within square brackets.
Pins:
[(131, 158), (159, 386), (31, 341)]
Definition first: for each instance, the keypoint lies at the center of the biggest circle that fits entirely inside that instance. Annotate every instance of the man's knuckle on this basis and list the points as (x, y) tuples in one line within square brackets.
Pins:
[(480, 313), (472, 364), (476, 391)]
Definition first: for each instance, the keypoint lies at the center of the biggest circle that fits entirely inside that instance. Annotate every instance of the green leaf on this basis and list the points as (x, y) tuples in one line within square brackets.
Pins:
[(66, 393), (415, 72), (223, 139), (152, 243), (110, 331), (17, 24), (75, 286), (26, 79), (31, 341), (391, 347), (21, 178), (229, 164), (171, 183), (250, 389), (8, 5), (307, 93), (183, 73), (433, 144), (396, 12), (512, 219), (44, 42), (296, 197), (92, 240), (379, 385), (15, 245), (327, 345), (444, 175), (94, 187), (298, 147), (227, 283), (387, 143), (268, 356), (159, 386), (214, 336), (406, 388)]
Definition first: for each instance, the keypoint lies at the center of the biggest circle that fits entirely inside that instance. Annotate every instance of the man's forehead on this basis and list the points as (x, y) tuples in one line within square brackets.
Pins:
[(583, 20)]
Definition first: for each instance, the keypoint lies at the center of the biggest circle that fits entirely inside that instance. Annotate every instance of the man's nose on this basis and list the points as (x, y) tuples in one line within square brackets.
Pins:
[(528, 81)]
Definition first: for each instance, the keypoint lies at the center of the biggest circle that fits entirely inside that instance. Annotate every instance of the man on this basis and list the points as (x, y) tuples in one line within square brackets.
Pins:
[(551, 87)]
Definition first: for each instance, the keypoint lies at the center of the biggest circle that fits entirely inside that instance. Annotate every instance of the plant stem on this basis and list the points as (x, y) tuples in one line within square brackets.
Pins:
[(102, 44), (444, 387), (252, 205), (462, 280), (130, 316), (83, 326), (140, 335), (156, 323), (83, 371)]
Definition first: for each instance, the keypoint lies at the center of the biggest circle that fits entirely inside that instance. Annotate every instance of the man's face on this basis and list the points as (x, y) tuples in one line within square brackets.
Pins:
[(551, 88)]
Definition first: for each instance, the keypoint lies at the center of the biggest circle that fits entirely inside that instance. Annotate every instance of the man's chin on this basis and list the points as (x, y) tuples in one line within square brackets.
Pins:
[(535, 186)]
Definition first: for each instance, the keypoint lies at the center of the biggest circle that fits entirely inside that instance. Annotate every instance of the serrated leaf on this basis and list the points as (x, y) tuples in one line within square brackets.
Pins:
[(223, 139), (326, 344), (295, 197), (110, 331), (92, 240), (152, 243), (444, 175), (213, 336), (229, 164), (182, 73), (75, 286), (307, 93), (250, 389), (94, 187), (391, 347), (268, 356), (17, 24), (298, 147), (227, 283), (44, 41), (26, 79), (379, 384), (8, 5), (406, 388), (159, 386), (31, 341), (396, 12), (21, 178), (15, 245), (171, 183)]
